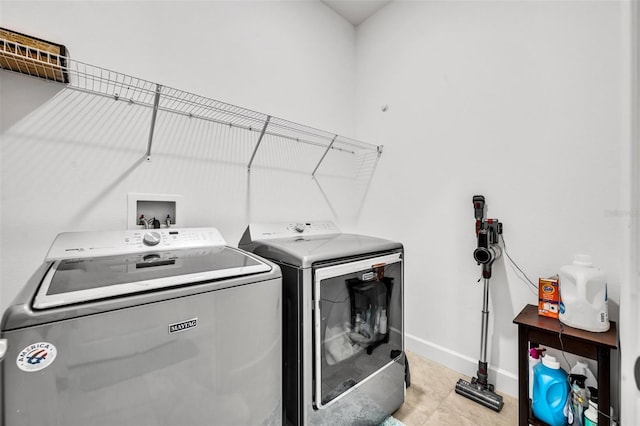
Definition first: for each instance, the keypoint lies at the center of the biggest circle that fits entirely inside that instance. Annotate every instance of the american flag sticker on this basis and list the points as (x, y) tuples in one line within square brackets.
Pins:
[(36, 356)]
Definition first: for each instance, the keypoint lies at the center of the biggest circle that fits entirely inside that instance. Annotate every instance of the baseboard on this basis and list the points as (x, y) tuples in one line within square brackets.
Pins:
[(504, 381)]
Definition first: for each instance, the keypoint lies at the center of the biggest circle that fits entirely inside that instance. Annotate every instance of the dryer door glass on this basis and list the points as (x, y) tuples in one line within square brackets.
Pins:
[(358, 328)]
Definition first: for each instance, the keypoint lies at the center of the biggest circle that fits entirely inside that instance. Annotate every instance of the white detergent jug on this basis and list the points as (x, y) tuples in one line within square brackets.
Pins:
[(583, 296)]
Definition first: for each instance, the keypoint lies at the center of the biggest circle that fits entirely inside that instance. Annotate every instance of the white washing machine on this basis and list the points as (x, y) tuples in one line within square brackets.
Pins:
[(344, 361), (161, 327)]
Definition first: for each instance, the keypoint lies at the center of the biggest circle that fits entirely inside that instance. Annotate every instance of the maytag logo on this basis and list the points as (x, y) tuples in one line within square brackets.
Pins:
[(183, 325)]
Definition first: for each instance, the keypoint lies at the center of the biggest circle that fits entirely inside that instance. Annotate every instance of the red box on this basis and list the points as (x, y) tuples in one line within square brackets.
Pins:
[(548, 297)]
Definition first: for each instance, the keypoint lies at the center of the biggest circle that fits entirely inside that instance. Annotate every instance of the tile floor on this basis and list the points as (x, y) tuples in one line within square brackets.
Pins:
[(431, 400)]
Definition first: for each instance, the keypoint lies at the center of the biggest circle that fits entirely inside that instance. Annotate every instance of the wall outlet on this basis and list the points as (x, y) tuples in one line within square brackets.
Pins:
[(147, 207)]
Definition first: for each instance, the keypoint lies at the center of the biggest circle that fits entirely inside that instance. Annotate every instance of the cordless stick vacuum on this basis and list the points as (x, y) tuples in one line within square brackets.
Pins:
[(487, 232)]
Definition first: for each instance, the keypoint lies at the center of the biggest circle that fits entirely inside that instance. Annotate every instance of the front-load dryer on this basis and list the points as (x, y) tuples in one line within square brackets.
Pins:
[(161, 327), (343, 335)]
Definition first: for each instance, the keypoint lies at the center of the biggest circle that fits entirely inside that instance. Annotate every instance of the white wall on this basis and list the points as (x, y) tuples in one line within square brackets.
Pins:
[(518, 101), (69, 160)]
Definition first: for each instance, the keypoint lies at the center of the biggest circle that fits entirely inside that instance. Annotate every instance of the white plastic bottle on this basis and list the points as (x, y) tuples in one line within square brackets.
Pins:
[(591, 415), (383, 322), (583, 296)]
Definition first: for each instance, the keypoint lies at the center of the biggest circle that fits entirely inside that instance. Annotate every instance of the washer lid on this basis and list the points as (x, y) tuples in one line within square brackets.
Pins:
[(304, 251), (71, 281)]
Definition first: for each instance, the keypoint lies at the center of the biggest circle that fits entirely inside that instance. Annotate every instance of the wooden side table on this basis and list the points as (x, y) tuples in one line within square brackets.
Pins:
[(536, 330)]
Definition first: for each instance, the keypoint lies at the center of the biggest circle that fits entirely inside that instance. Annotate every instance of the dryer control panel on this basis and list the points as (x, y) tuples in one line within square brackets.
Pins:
[(74, 245), (269, 231)]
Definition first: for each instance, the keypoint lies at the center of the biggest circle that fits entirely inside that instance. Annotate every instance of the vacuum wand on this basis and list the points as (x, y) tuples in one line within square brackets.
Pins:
[(483, 375), (486, 252)]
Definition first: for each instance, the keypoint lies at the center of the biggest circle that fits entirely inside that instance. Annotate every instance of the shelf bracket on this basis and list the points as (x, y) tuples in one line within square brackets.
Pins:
[(264, 129), (313, 174), (156, 102)]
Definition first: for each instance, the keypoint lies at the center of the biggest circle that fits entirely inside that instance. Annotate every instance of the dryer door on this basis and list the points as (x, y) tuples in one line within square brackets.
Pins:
[(358, 323)]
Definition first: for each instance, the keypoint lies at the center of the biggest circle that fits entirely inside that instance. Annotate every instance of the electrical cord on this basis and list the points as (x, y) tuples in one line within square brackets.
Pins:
[(562, 347), (519, 272)]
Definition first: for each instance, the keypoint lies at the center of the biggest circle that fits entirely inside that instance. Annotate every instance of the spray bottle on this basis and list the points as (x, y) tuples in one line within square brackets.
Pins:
[(578, 396), (582, 367)]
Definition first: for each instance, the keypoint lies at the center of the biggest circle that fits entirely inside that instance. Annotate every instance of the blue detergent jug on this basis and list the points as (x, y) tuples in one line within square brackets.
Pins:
[(550, 392)]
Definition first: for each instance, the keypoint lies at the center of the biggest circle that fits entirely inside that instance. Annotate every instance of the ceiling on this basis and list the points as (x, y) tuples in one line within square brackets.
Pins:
[(356, 11)]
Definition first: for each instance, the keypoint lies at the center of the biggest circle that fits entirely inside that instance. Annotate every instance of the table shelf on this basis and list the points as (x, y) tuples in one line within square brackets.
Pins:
[(534, 330)]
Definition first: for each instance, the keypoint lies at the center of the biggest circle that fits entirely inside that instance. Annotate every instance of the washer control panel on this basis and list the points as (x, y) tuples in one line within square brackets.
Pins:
[(74, 245), (268, 231)]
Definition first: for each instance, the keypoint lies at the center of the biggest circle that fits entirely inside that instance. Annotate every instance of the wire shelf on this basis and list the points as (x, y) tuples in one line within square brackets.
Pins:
[(100, 81)]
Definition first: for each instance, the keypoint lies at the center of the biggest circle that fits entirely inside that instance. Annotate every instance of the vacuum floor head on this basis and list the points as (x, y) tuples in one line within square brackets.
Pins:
[(477, 393)]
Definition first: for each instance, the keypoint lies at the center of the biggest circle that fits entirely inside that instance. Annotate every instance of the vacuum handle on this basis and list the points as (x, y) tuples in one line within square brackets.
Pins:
[(478, 207)]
